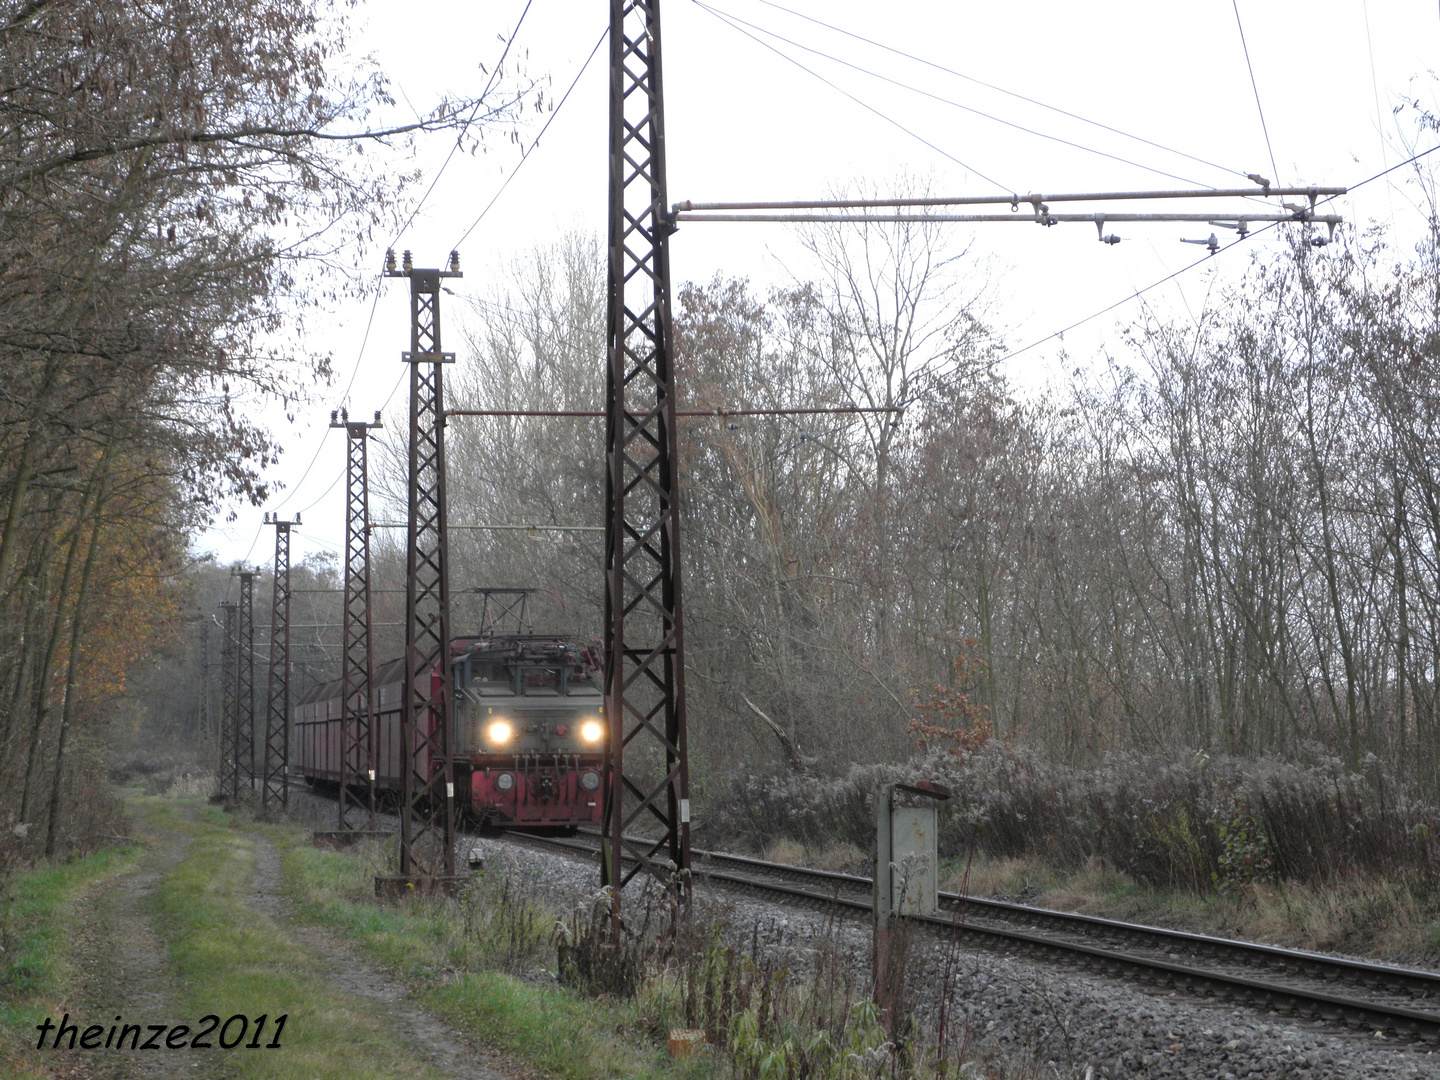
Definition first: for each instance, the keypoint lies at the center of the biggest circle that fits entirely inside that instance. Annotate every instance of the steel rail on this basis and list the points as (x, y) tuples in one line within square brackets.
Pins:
[(1010, 911), (957, 919)]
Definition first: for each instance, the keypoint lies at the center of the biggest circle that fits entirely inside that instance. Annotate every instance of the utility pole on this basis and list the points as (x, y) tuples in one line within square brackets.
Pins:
[(273, 788), (647, 772), (245, 686), (202, 711), (427, 816), (229, 679), (357, 661)]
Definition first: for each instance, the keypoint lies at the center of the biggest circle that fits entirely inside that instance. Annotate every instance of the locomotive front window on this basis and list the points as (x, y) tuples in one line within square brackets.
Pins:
[(492, 680), (540, 681)]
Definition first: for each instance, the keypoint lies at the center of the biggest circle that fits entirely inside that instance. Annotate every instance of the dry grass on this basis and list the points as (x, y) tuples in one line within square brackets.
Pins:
[(787, 851), (190, 785), (1385, 918), (1011, 878), (841, 857)]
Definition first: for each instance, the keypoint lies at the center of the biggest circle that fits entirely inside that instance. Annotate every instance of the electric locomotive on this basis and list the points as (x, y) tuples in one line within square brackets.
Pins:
[(528, 731), (529, 723)]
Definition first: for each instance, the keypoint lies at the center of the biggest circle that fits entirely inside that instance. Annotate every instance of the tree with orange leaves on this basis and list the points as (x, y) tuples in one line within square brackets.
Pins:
[(953, 718)]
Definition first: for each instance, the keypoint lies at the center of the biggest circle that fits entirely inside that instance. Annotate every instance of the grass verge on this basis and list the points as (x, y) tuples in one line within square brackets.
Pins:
[(1389, 917), (480, 963), (486, 963), (36, 908)]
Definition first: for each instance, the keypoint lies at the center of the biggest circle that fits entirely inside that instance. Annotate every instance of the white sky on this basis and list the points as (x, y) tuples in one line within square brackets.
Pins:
[(745, 123)]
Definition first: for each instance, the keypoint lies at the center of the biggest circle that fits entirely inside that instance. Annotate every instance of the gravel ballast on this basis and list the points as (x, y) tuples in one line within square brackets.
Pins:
[(1017, 1009)]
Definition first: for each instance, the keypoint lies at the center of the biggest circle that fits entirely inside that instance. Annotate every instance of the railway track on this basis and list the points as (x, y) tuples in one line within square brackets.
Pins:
[(1399, 1002)]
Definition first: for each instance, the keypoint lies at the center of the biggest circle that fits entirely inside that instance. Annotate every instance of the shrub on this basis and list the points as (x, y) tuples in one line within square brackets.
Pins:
[(594, 957), (1188, 822)]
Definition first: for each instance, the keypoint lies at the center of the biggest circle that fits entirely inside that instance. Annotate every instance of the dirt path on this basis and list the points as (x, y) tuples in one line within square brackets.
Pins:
[(431, 1039), (121, 970), (120, 963)]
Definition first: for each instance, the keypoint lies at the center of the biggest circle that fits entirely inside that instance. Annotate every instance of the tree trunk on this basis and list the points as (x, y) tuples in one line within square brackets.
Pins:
[(72, 666)]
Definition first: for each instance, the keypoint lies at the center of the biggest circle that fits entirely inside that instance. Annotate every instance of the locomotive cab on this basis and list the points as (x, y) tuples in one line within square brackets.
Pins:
[(530, 721)]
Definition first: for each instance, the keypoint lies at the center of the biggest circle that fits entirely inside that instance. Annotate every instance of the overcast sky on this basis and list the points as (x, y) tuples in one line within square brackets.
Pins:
[(1165, 87)]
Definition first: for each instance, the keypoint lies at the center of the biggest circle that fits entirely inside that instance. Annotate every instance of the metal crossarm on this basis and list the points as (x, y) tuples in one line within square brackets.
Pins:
[(646, 768), (357, 672), (245, 687), (273, 789), (229, 680), (1238, 217), (427, 820)]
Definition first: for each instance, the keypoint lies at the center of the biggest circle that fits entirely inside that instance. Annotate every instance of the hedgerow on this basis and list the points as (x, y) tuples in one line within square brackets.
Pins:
[(1188, 821)]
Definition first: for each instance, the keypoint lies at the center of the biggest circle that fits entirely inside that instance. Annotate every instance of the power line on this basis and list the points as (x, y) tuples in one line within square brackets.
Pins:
[(321, 497), (525, 156), (391, 396), (1274, 169), (489, 85), (495, 74), (374, 303), (948, 101), (864, 105), (317, 540), (998, 89)]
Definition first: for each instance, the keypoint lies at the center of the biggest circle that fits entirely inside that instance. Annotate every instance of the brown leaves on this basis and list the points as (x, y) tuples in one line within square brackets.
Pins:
[(953, 718)]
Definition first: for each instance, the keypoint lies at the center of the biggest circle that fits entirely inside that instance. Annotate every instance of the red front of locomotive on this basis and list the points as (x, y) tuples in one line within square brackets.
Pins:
[(530, 715)]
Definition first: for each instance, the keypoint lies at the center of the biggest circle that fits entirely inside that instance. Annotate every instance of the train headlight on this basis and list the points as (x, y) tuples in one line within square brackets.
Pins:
[(590, 781), (499, 733), (504, 782), (592, 731)]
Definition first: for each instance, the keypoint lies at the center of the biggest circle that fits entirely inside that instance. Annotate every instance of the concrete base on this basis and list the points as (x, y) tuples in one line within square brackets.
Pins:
[(394, 886), (342, 838)]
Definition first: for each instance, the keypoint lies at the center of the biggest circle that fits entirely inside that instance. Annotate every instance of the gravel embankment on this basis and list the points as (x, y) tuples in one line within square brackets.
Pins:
[(1069, 1024), (1021, 1009)]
